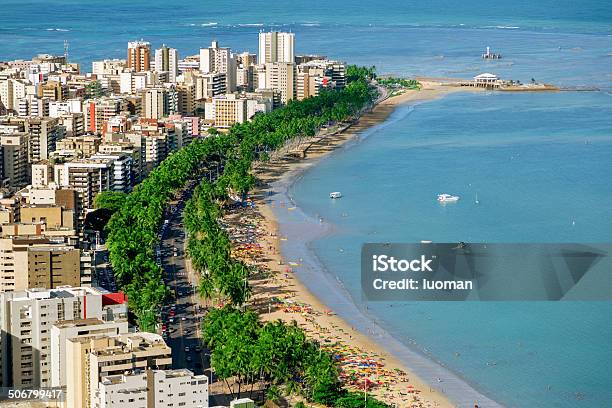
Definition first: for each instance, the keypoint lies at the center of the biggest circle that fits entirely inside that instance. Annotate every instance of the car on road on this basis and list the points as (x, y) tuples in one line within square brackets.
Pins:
[(186, 349), (188, 358), (183, 318)]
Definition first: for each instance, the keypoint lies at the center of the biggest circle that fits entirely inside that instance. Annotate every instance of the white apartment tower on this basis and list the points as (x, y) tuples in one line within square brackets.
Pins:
[(166, 60), (26, 320), (276, 47), (215, 59)]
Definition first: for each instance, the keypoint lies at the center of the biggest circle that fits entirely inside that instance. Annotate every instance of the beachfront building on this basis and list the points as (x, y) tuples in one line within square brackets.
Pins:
[(486, 80), (158, 388), (82, 328), (90, 359)]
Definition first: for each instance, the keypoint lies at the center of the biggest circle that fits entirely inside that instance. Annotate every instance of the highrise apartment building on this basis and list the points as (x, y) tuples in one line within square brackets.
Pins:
[(159, 102), (228, 110), (276, 47), (215, 59), (64, 330), (35, 261), (43, 134), (130, 82), (88, 177), (14, 153), (281, 77), (26, 320), (90, 359), (209, 85), (84, 145), (107, 67), (12, 90), (166, 60), (139, 56), (53, 90), (99, 111), (123, 172)]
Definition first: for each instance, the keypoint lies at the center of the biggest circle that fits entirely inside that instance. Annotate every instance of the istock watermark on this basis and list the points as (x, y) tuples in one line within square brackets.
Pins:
[(464, 271)]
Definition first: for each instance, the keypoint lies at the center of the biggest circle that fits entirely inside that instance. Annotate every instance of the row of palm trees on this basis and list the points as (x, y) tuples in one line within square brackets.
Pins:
[(209, 248), (133, 229), (272, 355), (244, 351)]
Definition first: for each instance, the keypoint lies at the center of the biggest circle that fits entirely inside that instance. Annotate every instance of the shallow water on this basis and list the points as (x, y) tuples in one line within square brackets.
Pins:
[(540, 166)]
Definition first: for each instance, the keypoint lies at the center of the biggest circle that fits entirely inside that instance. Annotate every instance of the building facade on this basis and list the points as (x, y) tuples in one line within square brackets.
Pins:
[(26, 319), (276, 47)]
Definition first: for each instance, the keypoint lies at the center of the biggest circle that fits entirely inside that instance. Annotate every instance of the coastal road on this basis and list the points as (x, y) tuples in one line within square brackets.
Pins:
[(180, 316)]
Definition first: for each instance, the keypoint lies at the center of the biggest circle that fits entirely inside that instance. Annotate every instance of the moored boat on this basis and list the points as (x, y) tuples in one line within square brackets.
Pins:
[(447, 198)]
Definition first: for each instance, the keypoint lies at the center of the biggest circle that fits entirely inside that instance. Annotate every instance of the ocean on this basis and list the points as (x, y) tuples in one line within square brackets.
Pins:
[(539, 163)]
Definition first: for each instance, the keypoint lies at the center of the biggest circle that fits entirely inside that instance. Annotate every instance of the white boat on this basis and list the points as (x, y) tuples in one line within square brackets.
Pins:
[(335, 194), (447, 198)]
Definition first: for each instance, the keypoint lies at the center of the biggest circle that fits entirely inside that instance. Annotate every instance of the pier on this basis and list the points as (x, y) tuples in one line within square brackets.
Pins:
[(493, 82)]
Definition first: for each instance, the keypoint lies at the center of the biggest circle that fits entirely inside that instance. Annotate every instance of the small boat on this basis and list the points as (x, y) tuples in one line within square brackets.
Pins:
[(335, 194), (447, 198), (477, 201)]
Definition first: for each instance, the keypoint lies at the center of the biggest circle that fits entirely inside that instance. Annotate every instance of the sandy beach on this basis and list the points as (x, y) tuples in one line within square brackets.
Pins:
[(279, 294)]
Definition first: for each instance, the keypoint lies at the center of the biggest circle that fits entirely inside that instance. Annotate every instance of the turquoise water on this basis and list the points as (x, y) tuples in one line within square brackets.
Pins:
[(540, 163), (540, 166)]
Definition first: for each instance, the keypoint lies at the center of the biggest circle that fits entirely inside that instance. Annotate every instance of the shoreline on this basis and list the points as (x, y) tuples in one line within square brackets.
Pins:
[(436, 385)]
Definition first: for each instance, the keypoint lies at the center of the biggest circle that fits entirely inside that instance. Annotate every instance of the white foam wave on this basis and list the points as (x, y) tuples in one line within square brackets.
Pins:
[(209, 24), (63, 30), (503, 27)]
